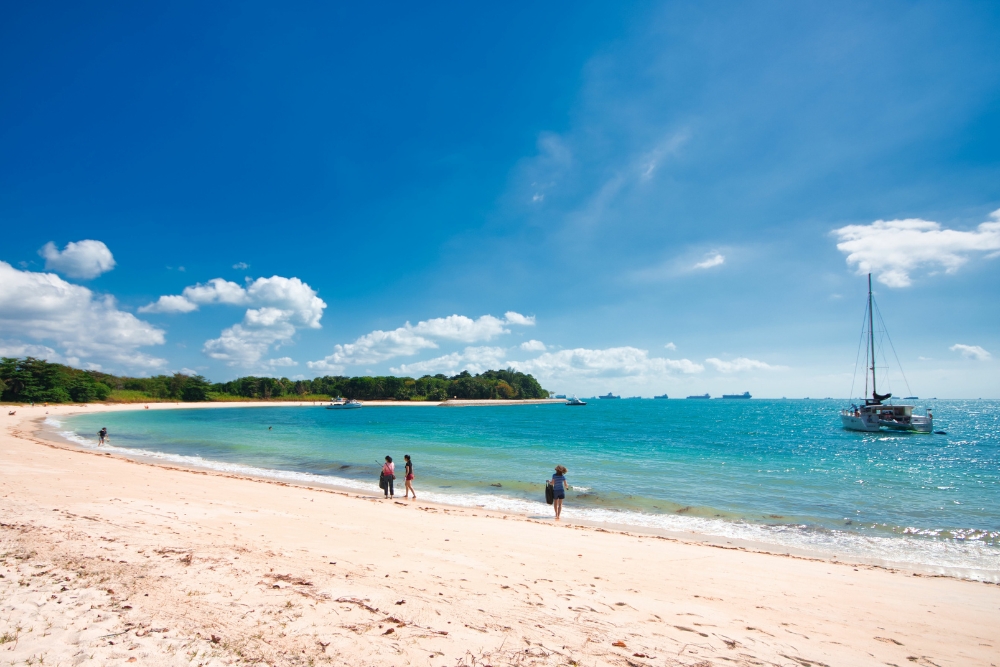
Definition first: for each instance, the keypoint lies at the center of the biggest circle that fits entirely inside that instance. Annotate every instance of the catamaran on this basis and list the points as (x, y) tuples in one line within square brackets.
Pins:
[(876, 415)]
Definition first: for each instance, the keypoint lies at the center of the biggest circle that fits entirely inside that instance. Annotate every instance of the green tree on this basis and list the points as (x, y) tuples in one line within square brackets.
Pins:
[(195, 389)]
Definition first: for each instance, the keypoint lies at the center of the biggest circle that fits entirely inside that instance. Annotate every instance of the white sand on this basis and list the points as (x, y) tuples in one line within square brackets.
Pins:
[(107, 561)]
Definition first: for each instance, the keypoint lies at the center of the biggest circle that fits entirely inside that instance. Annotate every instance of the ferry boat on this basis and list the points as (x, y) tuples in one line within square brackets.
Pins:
[(876, 415), (702, 396), (745, 394), (575, 401), (343, 404), (609, 395)]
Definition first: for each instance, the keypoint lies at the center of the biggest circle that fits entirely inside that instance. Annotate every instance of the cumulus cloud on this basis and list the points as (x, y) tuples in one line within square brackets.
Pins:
[(277, 307), (517, 318), (15, 348), (240, 266), (169, 304), (410, 339), (893, 249), (709, 262), (42, 313), (971, 352), (740, 364), (80, 259), (670, 346), (611, 362), (472, 359), (533, 346)]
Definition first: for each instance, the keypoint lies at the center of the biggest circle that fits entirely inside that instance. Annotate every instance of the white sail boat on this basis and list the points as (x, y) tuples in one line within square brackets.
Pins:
[(876, 415)]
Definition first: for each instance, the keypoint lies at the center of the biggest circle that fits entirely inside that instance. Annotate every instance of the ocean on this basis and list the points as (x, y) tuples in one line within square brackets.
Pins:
[(778, 473)]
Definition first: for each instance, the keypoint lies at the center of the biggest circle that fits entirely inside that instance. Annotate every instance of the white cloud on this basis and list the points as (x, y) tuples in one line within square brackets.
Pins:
[(279, 306), (169, 304), (971, 352), (517, 318), (11, 348), (244, 344), (241, 266), (893, 249), (690, 261), (217, 290), (472, 359), (709, 262), (409, 339), (282, 362), (611, 362), (71, 321), (740, 364), (533, 346), (81, 259), (670, 346)]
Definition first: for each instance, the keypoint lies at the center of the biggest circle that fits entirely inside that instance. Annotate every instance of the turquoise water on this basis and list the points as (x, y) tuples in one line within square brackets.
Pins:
[(781, 472)]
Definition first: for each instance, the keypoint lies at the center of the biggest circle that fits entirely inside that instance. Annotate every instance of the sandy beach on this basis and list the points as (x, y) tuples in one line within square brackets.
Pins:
[(108, 561)]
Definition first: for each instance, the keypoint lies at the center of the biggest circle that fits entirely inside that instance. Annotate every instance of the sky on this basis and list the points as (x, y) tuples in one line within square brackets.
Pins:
[(640, 198)]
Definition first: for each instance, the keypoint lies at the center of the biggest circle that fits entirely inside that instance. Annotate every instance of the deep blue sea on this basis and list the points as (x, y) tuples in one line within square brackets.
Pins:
[(778, 472)]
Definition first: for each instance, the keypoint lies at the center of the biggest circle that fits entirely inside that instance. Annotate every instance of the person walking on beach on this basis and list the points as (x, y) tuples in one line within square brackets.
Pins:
[(409, 477), (388, 475), (102, 434), (559, 486)]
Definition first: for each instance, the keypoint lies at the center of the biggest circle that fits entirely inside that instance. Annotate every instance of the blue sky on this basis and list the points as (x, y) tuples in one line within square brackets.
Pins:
[(639, 198)]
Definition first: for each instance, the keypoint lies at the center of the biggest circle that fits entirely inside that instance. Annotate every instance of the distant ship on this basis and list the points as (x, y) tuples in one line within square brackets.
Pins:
[(343, 404), (745, 394), (663, 396), (701, 396), (560, 395), (911, 398), (609, 395)]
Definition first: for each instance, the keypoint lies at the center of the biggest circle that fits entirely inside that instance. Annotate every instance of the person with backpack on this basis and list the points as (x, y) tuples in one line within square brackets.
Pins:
[(386, 478), (558, 486)]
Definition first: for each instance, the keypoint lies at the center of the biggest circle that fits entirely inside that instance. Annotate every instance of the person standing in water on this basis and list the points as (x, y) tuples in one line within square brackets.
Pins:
[(559, 486), (389, 474), (409, 477), (102, 434)]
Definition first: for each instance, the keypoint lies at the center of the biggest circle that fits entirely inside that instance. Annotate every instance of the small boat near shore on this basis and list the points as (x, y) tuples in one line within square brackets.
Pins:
[(344, 404), (575, 401), (875, 414)]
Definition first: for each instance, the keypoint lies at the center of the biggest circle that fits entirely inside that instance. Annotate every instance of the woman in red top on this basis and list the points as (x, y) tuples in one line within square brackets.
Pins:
[(388, 474)]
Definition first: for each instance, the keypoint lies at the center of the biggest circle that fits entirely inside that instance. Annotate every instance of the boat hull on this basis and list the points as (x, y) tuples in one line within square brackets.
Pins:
[(918, 425), (852, 423)]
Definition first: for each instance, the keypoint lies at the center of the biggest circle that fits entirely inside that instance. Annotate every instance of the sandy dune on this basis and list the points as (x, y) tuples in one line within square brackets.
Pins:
[(105, 561)]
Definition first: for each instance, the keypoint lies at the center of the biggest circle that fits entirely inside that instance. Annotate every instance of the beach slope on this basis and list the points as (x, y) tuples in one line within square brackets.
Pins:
[(106, 561)]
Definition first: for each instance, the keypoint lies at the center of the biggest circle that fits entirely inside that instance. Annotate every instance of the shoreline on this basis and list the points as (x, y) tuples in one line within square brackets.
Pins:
[(95, 545), (832, 553)]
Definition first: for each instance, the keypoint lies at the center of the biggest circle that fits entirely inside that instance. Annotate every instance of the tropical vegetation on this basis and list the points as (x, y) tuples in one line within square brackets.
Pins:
[(35, 380)]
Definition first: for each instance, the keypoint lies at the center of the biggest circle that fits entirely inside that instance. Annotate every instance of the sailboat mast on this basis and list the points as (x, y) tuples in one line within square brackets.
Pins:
[(871, 333)]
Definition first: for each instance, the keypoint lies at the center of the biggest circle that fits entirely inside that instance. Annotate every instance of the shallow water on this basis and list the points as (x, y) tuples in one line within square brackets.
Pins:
[(781, 472)]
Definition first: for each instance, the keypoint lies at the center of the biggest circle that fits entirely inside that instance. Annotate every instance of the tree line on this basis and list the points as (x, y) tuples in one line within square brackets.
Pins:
[(35, 380)]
